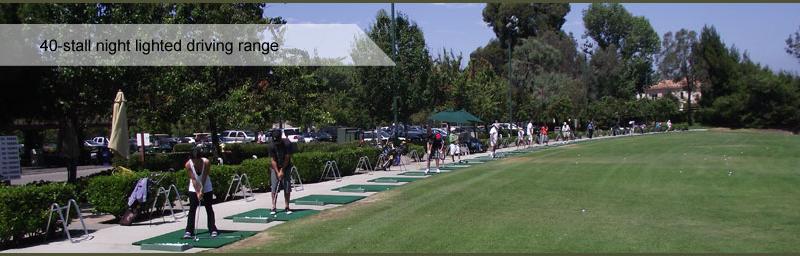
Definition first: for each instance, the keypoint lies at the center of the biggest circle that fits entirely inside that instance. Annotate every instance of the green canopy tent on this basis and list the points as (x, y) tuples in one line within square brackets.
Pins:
[(458, 117)]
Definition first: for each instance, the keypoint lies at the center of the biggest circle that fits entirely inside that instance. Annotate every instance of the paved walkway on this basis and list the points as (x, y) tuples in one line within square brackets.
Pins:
[(118, 239), (55, 174)]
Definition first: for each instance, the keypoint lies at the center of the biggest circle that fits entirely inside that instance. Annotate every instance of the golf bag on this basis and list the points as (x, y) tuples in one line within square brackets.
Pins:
[(136, 206), (387, 157)]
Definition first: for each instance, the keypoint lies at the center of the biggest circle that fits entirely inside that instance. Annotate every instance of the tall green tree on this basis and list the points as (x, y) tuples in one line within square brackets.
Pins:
[(633, 38), (715, 65), (409, 79), (677, 62), (532, 18), (608, 76), (793, 44), (487, 91)]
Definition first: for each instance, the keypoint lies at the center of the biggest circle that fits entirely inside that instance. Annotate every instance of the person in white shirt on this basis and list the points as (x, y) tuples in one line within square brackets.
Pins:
[(520, 137), (493, 138), (565, 131), (669, 125), (200, 192), (529, 130)]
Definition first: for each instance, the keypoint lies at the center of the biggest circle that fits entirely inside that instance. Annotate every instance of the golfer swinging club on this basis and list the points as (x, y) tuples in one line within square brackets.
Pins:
[(281, 153), (200, 192)]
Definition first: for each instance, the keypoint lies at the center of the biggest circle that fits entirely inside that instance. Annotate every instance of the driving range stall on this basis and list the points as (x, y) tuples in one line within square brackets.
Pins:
[(326, 199), (173, 241)]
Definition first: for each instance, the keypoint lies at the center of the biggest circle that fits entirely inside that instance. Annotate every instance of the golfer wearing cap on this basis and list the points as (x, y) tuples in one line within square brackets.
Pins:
[(281, 152)]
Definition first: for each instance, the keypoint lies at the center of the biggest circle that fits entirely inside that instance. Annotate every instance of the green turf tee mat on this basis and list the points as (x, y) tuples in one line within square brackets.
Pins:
[(393, 179), (176, 237), (326, 199), (417, 173), (263, 215), (365, 188), (454, 166)]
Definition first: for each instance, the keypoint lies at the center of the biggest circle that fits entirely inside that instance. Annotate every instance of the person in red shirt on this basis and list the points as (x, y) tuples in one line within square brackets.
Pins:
[(543, 135)]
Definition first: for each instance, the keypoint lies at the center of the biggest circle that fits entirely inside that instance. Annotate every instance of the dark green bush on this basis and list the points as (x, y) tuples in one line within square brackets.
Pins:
[(325, 146), (109, 194), (25, 209), (238, 152), (420, 149), (257, 171), (183, 147)]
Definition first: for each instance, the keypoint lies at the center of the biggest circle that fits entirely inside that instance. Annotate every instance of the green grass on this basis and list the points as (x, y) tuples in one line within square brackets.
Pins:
[(662, 193)]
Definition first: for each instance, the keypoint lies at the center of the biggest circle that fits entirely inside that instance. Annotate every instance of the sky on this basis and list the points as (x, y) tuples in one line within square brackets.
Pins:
[(758, 29)]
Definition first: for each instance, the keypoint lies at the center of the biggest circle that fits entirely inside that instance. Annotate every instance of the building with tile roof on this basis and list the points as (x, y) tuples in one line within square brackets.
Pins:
[(676, 89)]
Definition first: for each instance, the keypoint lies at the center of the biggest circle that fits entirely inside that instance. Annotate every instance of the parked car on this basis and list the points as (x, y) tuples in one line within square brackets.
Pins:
[(474, 145), (370, 136), (322, 136), (96, 142), (189, 140), (415, 133), (163, 142), (308, 137), (331, 131), (293, 134), (235, 136)]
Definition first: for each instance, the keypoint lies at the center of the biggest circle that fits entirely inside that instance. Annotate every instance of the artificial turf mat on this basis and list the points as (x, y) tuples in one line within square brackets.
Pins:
[(417, 173), (176, 237), (366, 188), (327, 199), (393, 179), (279, 216), (453, 166)]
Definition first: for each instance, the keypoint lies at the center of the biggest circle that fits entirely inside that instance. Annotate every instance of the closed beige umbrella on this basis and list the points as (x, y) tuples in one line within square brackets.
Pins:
[(119, 127)]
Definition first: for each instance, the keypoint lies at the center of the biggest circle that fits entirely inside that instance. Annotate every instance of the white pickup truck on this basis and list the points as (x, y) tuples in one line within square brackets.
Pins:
[(96, 142)]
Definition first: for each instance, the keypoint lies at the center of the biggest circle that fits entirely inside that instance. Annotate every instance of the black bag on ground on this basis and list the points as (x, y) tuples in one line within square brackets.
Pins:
[(130, 215)]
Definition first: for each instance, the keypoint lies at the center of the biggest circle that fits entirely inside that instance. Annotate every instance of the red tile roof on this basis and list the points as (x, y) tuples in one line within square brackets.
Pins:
[(669, 84)]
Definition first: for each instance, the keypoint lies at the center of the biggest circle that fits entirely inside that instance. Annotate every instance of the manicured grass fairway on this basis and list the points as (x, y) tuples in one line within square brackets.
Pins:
[(662, 193)]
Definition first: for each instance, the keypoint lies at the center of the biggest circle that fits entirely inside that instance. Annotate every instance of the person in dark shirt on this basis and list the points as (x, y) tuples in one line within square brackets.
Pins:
[(434, 149), (281, 152)]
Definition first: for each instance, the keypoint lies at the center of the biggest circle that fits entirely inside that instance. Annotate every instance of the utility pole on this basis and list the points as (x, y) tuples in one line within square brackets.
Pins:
[(512, 27), (394, 71)]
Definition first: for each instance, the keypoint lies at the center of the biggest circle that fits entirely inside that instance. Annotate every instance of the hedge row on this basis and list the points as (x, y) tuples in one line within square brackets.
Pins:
[(25, 209)]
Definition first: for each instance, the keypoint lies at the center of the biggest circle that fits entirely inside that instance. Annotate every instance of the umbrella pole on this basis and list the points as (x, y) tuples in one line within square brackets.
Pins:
[(141, 147)]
